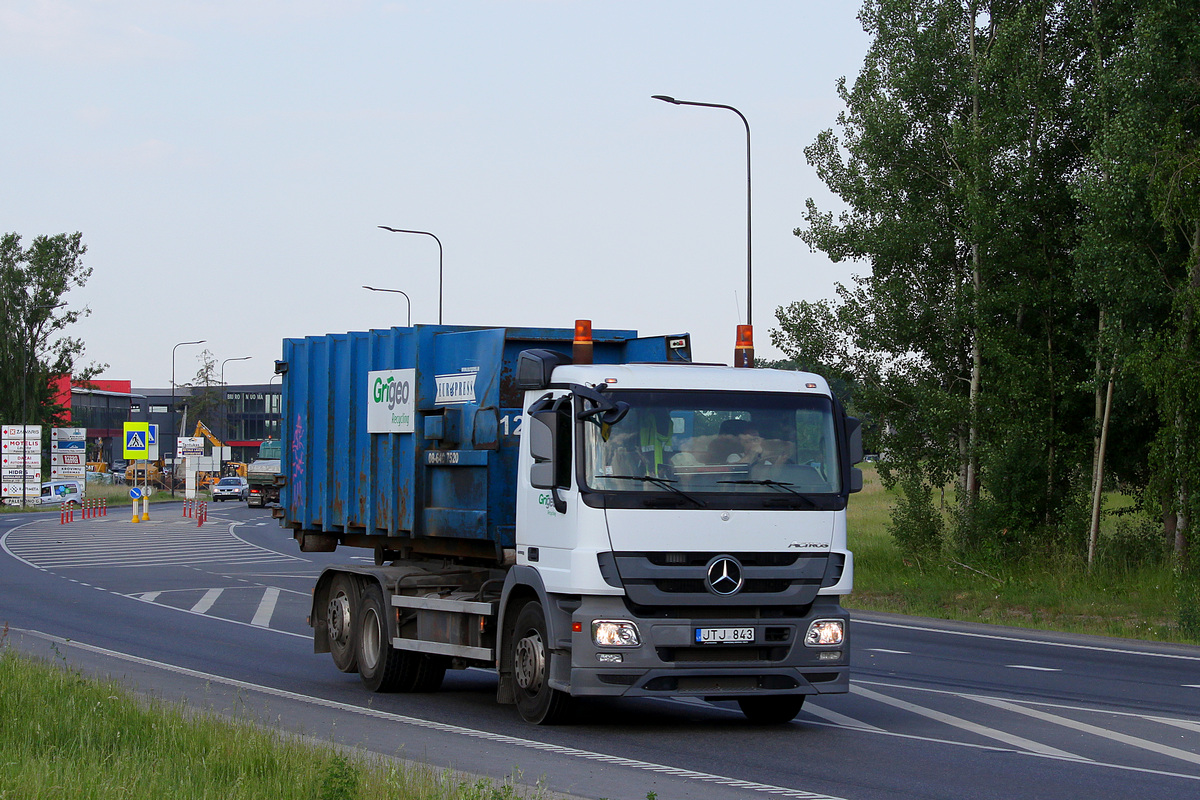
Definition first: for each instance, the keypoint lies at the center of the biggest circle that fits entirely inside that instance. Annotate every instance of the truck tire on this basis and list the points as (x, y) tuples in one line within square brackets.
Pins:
[(771, 710), (341, 618), (427, 674), (537, 702), (380, 667)]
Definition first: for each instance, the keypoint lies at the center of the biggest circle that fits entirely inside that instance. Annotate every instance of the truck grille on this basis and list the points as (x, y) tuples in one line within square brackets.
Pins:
[(680, 579)]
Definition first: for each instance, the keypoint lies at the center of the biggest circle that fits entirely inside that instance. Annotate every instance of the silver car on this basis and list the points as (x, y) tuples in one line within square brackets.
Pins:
[(231, 489)]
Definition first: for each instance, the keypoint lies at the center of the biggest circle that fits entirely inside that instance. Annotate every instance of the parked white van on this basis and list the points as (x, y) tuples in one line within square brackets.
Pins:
[(57, 493)]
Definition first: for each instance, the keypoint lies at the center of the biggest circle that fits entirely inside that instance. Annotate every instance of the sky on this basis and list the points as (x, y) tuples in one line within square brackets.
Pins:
[(228, 163)]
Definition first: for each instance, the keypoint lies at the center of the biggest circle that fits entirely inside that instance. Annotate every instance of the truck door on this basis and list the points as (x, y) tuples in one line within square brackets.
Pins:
[(548, 507)]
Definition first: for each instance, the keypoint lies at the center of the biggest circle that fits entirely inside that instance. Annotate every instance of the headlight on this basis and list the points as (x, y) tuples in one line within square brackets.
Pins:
[(823, 632), (615, 633)]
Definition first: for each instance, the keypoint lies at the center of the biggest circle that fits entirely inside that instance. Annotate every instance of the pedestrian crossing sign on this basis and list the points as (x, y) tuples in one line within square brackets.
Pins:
[(137, 441)]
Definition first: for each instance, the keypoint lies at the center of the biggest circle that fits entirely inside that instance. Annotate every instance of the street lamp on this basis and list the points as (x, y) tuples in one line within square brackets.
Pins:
[(397, 291), (749, 299), (225, 397), (174, 424), (439, 243)]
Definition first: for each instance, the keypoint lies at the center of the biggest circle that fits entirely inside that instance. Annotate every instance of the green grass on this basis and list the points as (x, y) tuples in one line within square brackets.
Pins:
[(65, 736), (1118, 597)]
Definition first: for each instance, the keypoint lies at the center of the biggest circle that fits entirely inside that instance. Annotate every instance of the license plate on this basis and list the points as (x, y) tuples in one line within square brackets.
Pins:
[(724, 635)]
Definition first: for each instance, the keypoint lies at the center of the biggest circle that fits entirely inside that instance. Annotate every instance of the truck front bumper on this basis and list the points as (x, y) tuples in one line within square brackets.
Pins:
[(669, 662)]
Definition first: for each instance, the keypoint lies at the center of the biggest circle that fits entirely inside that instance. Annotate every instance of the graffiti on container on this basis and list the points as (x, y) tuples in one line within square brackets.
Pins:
[(298, 458)]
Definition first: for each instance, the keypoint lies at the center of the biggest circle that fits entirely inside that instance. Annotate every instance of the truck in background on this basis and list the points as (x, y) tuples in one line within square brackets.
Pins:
[(586, 514), (263, 474)]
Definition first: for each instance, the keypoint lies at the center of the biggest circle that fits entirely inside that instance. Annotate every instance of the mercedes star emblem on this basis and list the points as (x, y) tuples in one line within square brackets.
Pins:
[(724, 576)]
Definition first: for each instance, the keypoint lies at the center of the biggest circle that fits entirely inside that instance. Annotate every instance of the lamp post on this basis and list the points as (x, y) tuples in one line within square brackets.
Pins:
[(439, 244), (749, 297), (225, 397), (397, 291), (174, 424)]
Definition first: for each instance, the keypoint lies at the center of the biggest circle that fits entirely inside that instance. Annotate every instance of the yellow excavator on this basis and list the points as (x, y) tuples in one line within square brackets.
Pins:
[(204, 479)]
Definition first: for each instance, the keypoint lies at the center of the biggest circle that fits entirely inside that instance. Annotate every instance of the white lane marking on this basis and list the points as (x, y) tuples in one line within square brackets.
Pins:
[(648, 766), (839, 719), (1019, 640), (149, 597), (112, 543), (1191, 686), (262, 617), (885, 650), (1186, 724), (307, 636), (1019, 742), (207, 601), (1034, 669), (1132, 741)]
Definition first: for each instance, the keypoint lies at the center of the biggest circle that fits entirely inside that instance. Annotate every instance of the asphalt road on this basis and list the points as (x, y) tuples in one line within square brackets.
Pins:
[(215, 615)]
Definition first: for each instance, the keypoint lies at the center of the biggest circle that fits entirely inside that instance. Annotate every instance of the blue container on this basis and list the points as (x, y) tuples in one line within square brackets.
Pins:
[(406, 439)]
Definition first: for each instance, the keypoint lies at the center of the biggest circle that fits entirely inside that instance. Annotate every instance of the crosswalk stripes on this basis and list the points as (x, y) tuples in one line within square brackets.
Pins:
[(117, 543), (1019, 742)]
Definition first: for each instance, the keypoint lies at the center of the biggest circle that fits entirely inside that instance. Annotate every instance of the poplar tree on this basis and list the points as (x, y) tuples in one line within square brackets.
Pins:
[(34, 282)]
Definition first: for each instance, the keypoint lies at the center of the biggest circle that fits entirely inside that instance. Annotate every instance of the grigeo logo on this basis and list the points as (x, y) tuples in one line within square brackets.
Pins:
[(393, 392)]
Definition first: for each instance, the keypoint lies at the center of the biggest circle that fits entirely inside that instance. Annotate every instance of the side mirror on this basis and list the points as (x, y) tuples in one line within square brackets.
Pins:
[(541, 437), (856, 480), (543, 445), (855, 444)]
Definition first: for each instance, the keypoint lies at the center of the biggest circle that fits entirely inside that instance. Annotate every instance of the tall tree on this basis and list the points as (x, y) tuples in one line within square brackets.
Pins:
[(1141, 225), (205, 401), (34, 282), (957, 142)]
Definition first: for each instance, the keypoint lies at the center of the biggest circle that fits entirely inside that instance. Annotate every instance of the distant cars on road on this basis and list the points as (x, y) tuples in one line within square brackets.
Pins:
[(231, 489), (60, 493)]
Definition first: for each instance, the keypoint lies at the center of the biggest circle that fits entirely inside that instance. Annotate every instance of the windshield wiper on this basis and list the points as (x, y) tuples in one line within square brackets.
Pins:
[(664, 483), (787, 487), (767, 482)]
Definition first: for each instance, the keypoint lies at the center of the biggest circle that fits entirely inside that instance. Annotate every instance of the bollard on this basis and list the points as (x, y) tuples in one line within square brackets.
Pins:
[(104, 507), (62, 516), (145, 509)]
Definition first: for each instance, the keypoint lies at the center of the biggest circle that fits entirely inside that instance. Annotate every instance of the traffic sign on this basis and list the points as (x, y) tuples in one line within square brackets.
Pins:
[(136, 447)]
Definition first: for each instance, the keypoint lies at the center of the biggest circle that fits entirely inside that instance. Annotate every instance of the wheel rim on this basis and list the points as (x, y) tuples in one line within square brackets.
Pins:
[(530, 662), (371, 645), (338, 619)]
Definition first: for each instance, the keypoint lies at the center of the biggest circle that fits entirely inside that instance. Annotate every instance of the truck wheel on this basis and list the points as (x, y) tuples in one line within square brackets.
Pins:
[(341, 615), (380, 667), (537, 702), (428, 672), (772, 710)]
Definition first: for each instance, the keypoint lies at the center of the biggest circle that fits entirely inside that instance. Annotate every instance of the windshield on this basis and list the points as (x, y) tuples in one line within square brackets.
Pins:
[(269, 449), (230, 482), (708, 441)]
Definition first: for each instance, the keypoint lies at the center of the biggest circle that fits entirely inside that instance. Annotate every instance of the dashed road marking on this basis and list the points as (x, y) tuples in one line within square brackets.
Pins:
[(266, 607), (206, 602)]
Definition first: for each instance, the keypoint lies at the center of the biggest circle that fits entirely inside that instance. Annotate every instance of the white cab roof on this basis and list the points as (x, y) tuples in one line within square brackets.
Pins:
[(691, 376)]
